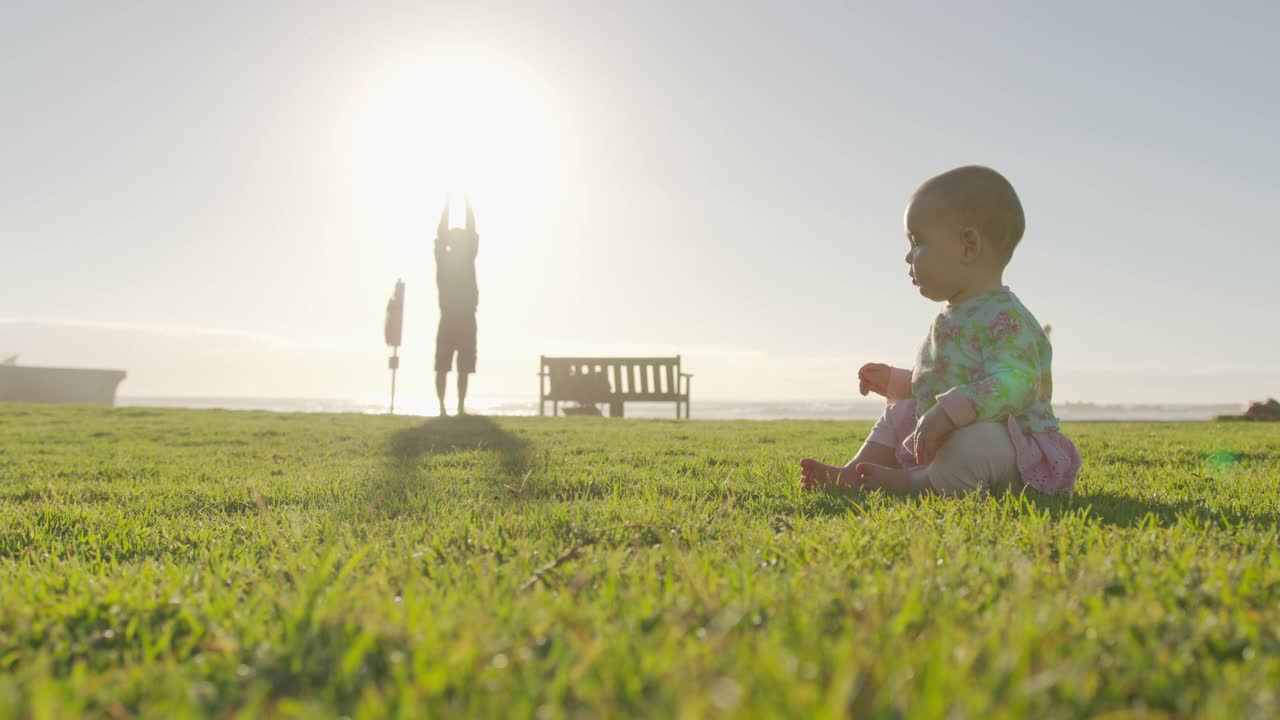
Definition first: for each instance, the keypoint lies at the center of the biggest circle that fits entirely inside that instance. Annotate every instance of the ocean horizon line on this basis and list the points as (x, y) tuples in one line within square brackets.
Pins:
[(709, 409)]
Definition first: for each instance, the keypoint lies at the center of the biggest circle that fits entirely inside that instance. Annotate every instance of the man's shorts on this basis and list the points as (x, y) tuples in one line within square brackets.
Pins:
[(975, 457), (457, 333)]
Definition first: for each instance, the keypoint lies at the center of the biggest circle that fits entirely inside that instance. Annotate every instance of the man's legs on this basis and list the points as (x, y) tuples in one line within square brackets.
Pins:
[(441, 378), (466, 358), (444, 358)]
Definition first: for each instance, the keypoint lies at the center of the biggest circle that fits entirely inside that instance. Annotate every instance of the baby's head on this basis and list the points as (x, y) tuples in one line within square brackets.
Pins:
[(963, 226)]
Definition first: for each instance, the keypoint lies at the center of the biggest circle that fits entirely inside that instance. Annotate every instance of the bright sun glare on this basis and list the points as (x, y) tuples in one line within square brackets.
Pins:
[(454, 126)]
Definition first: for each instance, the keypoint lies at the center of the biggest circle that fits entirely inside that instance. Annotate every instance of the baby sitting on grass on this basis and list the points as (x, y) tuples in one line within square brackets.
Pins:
[(974, 413)]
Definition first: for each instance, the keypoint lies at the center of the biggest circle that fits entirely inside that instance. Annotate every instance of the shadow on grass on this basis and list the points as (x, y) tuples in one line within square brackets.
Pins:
[(1104, 507), (437, 436), (1128, 511), (402, 472)]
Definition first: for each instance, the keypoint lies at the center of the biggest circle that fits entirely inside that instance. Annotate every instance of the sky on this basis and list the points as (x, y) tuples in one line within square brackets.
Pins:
[(219, 197)]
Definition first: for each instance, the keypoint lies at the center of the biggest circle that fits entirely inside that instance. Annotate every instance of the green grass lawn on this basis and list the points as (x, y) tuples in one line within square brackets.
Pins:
[(174, 563)]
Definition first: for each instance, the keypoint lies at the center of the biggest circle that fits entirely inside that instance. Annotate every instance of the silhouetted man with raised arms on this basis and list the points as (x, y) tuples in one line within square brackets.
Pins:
[(456, 250)]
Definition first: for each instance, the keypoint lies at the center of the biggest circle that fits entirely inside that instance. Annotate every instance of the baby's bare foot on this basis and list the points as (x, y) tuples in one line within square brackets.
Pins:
[(821, 476)]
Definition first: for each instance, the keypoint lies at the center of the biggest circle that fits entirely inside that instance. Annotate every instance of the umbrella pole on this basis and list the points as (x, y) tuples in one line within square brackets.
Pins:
[(395, 365)]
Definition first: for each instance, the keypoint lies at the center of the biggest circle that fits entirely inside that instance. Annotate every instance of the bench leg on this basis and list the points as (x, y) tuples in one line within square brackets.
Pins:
[(615, 408)]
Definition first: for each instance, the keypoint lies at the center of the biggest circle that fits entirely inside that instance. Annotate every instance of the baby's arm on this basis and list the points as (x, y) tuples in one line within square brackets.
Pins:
[(1011, 373), (891, 382)]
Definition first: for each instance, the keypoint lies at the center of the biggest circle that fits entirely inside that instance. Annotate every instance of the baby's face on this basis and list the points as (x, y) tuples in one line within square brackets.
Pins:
[(935, 249)]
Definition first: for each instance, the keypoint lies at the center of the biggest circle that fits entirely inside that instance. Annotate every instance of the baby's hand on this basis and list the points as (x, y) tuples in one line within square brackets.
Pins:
[(931, 432), (874, 377)]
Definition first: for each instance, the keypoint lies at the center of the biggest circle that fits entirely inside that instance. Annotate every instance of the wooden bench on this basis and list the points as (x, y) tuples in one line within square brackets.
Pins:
[(588, 380)]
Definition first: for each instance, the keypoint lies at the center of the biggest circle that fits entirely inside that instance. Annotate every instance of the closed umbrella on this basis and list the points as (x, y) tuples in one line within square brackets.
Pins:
[(392, 330)]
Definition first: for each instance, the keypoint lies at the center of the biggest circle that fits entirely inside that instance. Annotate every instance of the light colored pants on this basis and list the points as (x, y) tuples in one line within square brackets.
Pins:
[(975, 457)]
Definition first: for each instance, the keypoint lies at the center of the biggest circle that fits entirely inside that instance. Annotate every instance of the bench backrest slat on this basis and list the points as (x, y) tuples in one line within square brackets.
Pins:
[(650, 377), (583, 360)]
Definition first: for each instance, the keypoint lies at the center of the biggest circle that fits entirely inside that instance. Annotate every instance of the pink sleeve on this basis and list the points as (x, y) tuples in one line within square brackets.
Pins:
[(899, 385), (958, 407)]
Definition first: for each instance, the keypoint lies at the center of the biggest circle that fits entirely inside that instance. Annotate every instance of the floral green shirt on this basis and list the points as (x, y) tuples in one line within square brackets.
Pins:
[(987, 359)]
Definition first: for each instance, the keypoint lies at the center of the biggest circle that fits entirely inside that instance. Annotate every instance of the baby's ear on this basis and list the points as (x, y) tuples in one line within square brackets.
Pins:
[(971, 243)]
